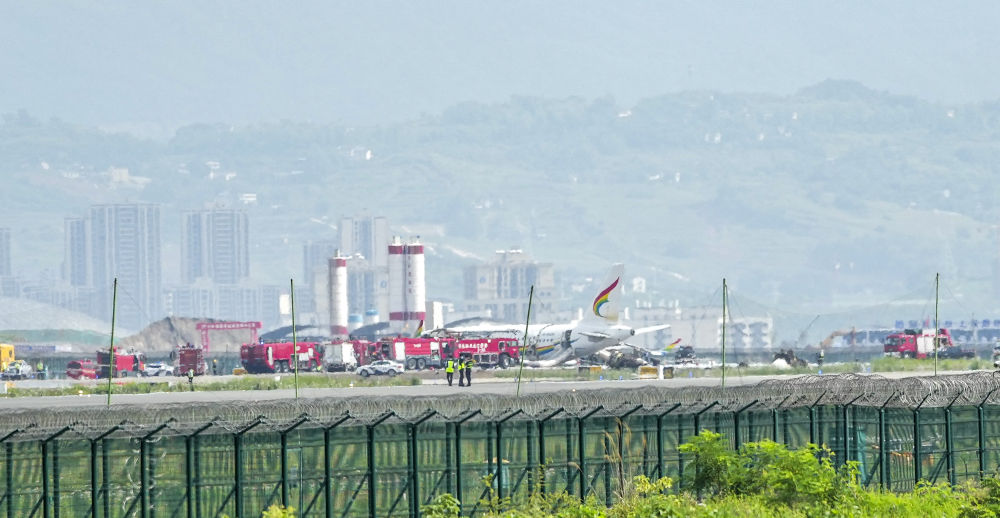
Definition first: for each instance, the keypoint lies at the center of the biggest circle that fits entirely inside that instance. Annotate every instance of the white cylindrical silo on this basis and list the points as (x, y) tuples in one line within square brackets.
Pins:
[(397, 280), (416, 285), (371, 316), (338, 296)]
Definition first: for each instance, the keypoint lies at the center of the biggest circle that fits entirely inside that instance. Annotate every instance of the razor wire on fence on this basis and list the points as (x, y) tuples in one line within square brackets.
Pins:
[(354, 457)]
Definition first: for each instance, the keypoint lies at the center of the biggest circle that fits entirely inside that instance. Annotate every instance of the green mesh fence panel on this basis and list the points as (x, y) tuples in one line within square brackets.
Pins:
[(325, 462)]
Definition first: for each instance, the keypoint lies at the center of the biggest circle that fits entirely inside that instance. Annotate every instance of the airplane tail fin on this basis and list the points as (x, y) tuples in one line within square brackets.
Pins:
[(607, 303), (420, 330)]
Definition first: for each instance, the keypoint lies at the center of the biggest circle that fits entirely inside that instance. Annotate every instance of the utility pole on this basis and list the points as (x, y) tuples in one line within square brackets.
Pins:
[(725, 305), (937, 330)]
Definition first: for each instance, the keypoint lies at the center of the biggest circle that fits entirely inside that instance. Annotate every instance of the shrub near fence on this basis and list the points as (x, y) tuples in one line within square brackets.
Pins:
[(352, 457)]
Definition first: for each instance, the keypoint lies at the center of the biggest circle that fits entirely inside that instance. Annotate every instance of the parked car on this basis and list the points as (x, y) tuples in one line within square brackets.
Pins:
[(81, 369), (379, 367), (158, 369), (18, 370)]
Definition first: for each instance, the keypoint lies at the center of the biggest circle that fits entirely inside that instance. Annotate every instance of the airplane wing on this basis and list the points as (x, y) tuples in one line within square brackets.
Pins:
[(651, 329), (595, 336)]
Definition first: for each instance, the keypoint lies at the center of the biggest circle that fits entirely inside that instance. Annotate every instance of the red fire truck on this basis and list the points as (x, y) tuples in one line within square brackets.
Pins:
[(191, 358), (129, 363), (916, 343), (423, 353), (489, 352), (260, 358), (81, 369)]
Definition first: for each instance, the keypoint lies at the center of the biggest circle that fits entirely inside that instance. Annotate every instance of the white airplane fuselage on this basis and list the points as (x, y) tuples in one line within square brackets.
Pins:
[(554, 344)]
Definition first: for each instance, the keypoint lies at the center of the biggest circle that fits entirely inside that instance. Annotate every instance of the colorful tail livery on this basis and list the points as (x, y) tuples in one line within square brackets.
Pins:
[(608, 300), (420, 330)]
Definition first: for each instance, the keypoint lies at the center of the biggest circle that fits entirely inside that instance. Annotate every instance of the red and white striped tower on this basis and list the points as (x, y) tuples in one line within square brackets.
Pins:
[(397, 280), (338, 296), (416, 285)]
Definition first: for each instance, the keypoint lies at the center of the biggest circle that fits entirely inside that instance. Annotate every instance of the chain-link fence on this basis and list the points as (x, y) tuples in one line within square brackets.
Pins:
[(355, 457)]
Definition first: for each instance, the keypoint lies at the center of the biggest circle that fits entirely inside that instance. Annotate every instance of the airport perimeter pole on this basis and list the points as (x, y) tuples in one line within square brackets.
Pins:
[(111, 348), (524, 341), (295, 345), (937, 284), (724, 304)]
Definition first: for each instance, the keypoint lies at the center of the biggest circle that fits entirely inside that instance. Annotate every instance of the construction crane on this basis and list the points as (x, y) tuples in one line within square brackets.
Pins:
[(802, 336), (840, 332)]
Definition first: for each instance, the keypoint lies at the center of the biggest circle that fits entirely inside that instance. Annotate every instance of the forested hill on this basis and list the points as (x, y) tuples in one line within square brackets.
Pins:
[(837, 193)]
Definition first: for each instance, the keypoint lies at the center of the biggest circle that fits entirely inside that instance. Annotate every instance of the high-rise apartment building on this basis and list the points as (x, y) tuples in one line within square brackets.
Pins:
[(366, 236), (315, 255), (365, 241), (500, 288), (125, 244), (5, 270), (215, 245), (75, 271)]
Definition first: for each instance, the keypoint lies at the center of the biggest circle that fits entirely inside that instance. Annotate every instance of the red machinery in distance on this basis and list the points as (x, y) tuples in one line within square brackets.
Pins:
[(205, 327), (422, 353), (266, 357)]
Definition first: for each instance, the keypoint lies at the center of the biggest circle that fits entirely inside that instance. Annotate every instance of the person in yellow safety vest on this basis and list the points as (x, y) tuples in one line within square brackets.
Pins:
[(461, 373), (449, 371), (467, 367)]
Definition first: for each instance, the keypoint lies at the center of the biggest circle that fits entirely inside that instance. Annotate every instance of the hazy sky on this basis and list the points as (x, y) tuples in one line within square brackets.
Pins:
[(169, 63)]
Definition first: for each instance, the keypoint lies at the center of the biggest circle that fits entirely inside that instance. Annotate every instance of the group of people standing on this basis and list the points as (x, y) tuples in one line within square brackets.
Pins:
[(464, 368)]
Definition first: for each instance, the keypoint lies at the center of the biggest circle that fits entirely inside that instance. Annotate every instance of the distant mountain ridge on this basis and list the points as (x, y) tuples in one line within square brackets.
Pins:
[(837, 192)]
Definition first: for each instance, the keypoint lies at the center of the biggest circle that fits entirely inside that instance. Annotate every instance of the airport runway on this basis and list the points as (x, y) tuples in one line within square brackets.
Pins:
[(432, 387)]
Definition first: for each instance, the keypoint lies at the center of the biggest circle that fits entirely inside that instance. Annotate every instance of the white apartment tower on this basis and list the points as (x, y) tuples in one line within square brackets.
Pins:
[(125, 244), (215, 245)]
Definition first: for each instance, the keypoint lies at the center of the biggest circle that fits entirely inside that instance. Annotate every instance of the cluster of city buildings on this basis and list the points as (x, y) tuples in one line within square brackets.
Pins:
[(361, 276)]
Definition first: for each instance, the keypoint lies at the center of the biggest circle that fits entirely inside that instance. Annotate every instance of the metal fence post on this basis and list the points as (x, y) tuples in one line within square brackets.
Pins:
[(949, 442), (697, 416), (106, 475), (284, 456), (8, 490), (620, 425), (327, 470), (414, 467), (844, 436), (530, 426), (582, 451), (981, 415), (9, 469), (458, 456), (144, 468), (659, 442), (499, 464), (449, 481), (192, 477), (541, 448), (95, 489), (883, 455), (238, 464), (774, 419), (916, 441), (370, 450), (47, 495), (736, 423), (812, 419)]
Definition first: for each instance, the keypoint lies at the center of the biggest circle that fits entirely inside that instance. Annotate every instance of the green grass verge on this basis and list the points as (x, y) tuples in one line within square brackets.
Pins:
[(890, 364), (262, 382)]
